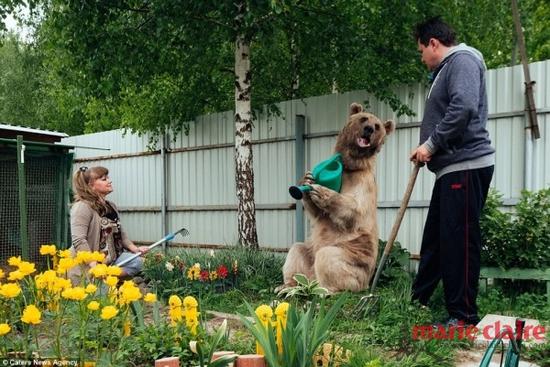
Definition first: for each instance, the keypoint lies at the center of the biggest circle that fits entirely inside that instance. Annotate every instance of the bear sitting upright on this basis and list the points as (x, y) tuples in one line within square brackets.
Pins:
[(342, 249)]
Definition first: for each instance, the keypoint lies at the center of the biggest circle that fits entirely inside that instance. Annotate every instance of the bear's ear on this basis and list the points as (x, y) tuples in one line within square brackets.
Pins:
[(390, 126), (355, 108)]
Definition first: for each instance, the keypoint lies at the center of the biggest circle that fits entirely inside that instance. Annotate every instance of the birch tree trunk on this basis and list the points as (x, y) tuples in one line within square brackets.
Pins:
[(244, 173)]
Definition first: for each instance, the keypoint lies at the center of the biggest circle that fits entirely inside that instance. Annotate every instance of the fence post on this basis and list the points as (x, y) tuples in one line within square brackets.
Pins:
[(300, 158), (163, 188), (22, 186)]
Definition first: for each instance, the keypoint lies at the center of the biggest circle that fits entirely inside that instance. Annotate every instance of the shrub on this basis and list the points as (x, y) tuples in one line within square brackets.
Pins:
[(520, 239)]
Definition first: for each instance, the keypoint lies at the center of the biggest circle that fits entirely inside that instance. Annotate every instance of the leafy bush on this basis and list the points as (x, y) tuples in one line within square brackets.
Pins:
[(520, 239)]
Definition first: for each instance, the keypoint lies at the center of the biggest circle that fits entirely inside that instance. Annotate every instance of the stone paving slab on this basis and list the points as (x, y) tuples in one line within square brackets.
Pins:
[(490, 325)]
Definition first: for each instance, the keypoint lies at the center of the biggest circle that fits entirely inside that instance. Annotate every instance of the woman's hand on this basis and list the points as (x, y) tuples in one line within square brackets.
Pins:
[(143, 249)]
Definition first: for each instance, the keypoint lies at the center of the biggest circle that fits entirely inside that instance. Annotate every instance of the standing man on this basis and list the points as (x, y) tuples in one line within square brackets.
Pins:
[(455, 144)]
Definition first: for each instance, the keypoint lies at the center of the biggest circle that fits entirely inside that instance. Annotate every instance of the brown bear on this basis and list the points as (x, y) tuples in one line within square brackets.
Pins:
[(342, 249)]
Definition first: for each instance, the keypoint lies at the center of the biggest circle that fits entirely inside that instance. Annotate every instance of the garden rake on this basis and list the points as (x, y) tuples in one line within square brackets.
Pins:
[(370, 301), (184, 232)]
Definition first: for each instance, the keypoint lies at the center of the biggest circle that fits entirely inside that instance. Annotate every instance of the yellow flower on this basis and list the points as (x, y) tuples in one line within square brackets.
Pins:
[(60, 284), (150, 297), (213, 275), (111, 281), (75, 294), (194, 272), (129, 293), (31, 315), (48, 250), (10, 290), (45, 279), (108, 312), (126, 328), (26, 268), (174, 301), (93, 306), (190, 302), (4, 329), (98, 256), (14, 261), (175, 314), (264, 313), (192, 322), (65, 264), (114, 270), (2, 275), (99, 271), (83, 257), (64, 254), (281, 312), (16, 275), (90, 289)]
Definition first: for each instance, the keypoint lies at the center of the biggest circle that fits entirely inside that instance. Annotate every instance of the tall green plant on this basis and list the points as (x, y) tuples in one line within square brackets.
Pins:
[(304, 333)]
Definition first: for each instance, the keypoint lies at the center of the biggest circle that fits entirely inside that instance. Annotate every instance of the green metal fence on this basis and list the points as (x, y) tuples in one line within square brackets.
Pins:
[(34, 197)]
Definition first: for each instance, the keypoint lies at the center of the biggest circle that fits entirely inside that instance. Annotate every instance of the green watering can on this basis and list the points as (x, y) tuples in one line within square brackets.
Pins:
[(327, 173), (513, 351)]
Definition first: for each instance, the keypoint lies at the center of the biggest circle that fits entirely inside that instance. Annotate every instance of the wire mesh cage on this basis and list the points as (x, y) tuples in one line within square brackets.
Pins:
[(47, 171)]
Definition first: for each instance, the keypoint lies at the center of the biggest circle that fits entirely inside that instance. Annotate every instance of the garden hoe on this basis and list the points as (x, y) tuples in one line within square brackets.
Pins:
[(184, 232), (367, 303)]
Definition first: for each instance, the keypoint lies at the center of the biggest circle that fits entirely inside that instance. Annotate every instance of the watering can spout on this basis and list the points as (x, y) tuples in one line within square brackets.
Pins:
[(327, 173)]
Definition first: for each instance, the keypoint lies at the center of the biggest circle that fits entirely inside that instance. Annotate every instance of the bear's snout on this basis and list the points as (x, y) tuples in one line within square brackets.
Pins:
[(367, 131)]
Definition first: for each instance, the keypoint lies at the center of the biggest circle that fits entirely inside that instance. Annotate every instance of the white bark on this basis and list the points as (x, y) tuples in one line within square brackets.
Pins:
[(244, 173)]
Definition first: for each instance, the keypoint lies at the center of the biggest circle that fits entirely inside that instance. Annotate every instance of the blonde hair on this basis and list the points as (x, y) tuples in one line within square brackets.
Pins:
[(82, 179)]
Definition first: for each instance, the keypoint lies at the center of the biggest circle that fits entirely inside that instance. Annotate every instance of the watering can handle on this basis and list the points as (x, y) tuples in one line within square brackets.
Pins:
[(168, 237)]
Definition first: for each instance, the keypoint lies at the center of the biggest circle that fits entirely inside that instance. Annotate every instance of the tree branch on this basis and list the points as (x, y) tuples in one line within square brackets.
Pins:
[(210, 20)]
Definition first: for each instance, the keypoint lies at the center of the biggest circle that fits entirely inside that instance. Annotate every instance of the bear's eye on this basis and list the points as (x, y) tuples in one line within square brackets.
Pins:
[(377, 127), (364, 119)]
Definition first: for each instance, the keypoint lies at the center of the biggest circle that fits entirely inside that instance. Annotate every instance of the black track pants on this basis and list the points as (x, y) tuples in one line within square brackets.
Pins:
[(451, 242)]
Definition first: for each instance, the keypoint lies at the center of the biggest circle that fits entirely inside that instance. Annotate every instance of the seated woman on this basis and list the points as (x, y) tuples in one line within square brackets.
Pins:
[(95, 224)]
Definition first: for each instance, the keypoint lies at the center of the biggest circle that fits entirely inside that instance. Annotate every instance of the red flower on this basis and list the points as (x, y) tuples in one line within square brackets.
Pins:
[(205, 275), (222, 271)]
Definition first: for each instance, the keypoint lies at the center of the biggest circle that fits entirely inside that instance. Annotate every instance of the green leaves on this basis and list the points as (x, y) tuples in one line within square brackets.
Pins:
[(215, 340), (305, 331), (304, 289)]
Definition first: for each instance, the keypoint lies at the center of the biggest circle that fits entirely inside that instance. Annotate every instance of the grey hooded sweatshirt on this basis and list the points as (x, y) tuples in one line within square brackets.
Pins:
[(454, 126)]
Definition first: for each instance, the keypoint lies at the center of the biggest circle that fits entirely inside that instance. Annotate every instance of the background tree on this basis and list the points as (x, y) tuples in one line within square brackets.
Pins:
[(152, 65), (17, 82)]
